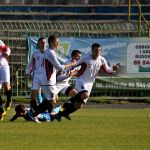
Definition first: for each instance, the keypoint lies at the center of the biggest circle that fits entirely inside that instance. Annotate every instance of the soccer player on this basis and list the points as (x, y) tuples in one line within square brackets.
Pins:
[(64, 77), (22, 111), (35, 66), (4, 78), (90, 66), (48, 77)]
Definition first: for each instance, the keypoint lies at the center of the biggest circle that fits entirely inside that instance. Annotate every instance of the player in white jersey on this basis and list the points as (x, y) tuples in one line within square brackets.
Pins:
[(4, 78), (48, 77), (64, 77), (90, 66), (35, 66)]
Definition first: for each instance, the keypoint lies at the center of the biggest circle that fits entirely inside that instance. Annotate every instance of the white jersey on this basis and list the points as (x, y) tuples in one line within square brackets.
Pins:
[(63, 77), (51, 65), (48, 77), (36, 63), (4, 50), (4, 67), (90, 67)]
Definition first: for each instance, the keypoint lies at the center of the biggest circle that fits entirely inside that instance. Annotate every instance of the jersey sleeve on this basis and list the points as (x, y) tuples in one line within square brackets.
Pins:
[(62, 76), (30, 65), (105, 66), (53, 59), (4, 48)]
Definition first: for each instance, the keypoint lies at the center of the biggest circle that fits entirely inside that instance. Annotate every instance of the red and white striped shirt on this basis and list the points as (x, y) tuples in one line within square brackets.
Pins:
[(4, 51)]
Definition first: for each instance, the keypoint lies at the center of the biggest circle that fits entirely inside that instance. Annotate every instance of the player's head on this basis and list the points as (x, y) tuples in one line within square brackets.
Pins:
[(96, 50), (53, 42), (75, 55), (41, 44), (19, 109)]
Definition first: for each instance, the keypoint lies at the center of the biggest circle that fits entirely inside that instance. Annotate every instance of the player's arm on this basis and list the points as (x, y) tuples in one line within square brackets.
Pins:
[(57, 64), (30, 66), (67, 75), (106, 68), (116, 67)]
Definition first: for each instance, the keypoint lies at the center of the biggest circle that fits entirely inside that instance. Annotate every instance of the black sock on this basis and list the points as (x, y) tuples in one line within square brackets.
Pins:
[(42, 107), (69, 108), (78, 97), (33, 104), (1, 101), (8, 95)]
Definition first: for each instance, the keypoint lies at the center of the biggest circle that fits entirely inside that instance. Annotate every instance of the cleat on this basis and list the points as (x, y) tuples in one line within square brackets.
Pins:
[(8, 105), (57, 117), (61, 109), (35, 119), (68, 117), (2, 114)]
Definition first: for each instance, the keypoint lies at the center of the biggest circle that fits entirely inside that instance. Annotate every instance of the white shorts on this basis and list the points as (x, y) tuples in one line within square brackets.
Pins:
[(80, 86), (62, 87), (4, 74), (0, 85), (40, 83), (36, 82), (49, 91)]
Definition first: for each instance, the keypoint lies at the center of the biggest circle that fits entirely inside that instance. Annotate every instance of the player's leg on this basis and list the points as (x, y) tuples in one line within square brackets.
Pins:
[(33, 103), (6, 83), (36, 84), (39, 97), (47, 104), (1, 100), (68, 90), (73, 104), (8, 93), (2, 112)]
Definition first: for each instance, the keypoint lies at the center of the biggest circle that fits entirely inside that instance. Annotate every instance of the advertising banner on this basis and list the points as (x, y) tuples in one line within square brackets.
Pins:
[(132, 54)]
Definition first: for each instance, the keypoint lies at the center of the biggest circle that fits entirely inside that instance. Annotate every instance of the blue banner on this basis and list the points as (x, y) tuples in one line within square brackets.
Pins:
[(133, 55)]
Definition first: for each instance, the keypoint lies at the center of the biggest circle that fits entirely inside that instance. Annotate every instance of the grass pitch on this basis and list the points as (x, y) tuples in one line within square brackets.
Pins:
[(90, 129)]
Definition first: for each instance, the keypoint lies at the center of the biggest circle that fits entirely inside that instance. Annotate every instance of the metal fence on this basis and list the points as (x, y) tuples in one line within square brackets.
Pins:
[(15, 34), (64, 2)]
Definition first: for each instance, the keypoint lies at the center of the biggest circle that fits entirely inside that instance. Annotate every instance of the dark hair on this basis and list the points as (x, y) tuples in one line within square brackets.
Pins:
[(41, 38), (51, 38), (75, 52), (20, 108), (95, 45)]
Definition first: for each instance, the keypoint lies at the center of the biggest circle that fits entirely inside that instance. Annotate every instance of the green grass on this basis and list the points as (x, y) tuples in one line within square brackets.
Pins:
[(90, 129)]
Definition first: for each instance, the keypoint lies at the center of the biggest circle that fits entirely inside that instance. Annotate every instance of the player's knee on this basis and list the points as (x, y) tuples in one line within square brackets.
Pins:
[(73, 93), (8, 92), (85, 95), (80, 97), (7, 86), (78, 105)]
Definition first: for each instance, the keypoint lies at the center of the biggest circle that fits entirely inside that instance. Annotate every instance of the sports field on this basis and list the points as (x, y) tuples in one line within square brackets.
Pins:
[(90, 129)]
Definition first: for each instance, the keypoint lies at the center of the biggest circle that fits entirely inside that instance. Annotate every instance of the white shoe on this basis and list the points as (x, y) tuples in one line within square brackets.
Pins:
[(35, 119)]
